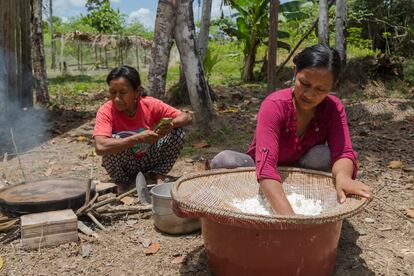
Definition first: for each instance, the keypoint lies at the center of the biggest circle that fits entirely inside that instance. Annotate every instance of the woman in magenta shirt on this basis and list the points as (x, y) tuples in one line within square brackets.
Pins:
[(293, 126)]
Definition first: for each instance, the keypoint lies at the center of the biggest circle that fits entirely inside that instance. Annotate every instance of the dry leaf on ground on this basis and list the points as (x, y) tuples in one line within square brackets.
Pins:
[(127, 200), (145, 242), (178, 260), (152, 249), (410, 213), (409, 168), (395, 164), (1, 263), (81, 138), (201, 145), (48, 172)]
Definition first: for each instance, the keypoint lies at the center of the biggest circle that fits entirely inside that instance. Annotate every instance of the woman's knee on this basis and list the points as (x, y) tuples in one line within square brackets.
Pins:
[(317, 158), (230, 159)]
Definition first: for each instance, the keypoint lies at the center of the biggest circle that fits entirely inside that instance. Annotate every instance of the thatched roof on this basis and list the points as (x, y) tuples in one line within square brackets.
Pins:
[(109, 41)]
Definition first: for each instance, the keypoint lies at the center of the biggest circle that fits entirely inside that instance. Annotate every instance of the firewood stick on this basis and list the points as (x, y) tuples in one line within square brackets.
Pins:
[(88, 191), (398, 212), (17, 155), (85, 207), (86, 230), (109, 200), (92, 217), (130, 209)]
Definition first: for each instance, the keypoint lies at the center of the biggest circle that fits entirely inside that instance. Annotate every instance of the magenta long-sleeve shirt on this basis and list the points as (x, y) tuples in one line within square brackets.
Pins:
[(276, 143)]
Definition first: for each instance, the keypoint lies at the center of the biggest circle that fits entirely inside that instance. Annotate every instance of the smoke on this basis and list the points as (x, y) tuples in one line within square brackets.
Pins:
[(30, 126)]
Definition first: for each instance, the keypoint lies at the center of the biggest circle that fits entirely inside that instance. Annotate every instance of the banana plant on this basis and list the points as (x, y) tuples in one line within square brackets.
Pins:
[(252, 25)]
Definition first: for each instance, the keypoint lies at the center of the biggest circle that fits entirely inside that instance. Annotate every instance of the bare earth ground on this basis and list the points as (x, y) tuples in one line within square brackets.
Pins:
[(378, 241)]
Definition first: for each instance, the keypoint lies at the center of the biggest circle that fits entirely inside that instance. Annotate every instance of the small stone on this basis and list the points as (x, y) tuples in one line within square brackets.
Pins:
[(369, 220), (131, 222)]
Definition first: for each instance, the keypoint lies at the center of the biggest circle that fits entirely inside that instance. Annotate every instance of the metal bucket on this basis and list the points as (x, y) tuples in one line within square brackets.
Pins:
[(164, 218)]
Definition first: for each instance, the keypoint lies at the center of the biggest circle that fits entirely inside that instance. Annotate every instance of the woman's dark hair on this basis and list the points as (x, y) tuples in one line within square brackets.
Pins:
[(127, 72), (319, 56)]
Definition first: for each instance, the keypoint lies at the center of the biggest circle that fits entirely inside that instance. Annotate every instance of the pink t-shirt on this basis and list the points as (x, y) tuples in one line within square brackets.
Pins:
[(113, 123), (276, 143)]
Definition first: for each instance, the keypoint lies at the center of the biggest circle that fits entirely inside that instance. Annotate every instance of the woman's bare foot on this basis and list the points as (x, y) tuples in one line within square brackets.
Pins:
[(159, 178)]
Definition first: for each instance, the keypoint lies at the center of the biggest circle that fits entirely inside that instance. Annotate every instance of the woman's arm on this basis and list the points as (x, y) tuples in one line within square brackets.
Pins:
[(105, 145), (274, 193), (181, 120), (342, 170)]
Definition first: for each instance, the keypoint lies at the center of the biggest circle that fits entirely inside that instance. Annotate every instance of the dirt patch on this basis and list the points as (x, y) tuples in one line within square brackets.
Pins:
[(378, 241)]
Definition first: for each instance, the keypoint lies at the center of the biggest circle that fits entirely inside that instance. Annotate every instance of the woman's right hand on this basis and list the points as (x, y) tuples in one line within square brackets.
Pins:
[(148, 136)]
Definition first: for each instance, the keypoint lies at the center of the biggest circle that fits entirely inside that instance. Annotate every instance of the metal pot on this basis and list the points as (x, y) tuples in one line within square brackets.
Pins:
[(164, 218)]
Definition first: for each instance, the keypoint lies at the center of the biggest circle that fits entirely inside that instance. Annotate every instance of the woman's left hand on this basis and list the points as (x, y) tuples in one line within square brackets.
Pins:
[(346, 185), (164, 129)]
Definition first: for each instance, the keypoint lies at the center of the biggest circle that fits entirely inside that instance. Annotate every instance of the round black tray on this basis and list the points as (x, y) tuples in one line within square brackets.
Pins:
[(43, 196)]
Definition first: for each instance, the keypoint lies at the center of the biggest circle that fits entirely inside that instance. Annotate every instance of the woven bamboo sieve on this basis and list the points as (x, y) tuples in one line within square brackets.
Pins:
[(210, 195)]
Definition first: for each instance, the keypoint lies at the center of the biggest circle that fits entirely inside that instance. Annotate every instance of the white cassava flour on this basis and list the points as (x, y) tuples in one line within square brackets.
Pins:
[(260, 206)]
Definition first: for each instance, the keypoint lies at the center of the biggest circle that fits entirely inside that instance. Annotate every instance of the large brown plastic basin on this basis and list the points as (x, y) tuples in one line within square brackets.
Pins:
[(242, 243), (307, 250)]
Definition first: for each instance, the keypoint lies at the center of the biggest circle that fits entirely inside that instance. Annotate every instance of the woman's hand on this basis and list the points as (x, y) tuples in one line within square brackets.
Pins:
[(164, 129), (346, 185), (148, 136), (274, 193)]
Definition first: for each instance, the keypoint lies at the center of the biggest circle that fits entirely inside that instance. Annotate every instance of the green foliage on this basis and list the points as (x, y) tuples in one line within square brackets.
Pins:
[(387, 24), (355, 38), (210, 60), (103, 17), (137, 28), (251, 27), (409, 72)]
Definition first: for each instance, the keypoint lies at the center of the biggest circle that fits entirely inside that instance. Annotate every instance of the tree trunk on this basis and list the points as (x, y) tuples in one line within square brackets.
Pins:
[(272, 60), (193, 70), (204, 28), (38, 54), (62, 56), (137, 56), (52, 41), (250, 59), (340, 28), (323, 27), (161, 47)]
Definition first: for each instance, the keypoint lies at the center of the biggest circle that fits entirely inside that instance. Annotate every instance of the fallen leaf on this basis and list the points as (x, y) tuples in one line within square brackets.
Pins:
[(395, 164), (1, 263), (410, 213), (152, 249), (86, 250), (81, 138), (127, 200), (372, 159), (178, 260), (48, 172), (145, 242), (201, 145), (202, 166), (409, 168), (131, 222), (232, 110)]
